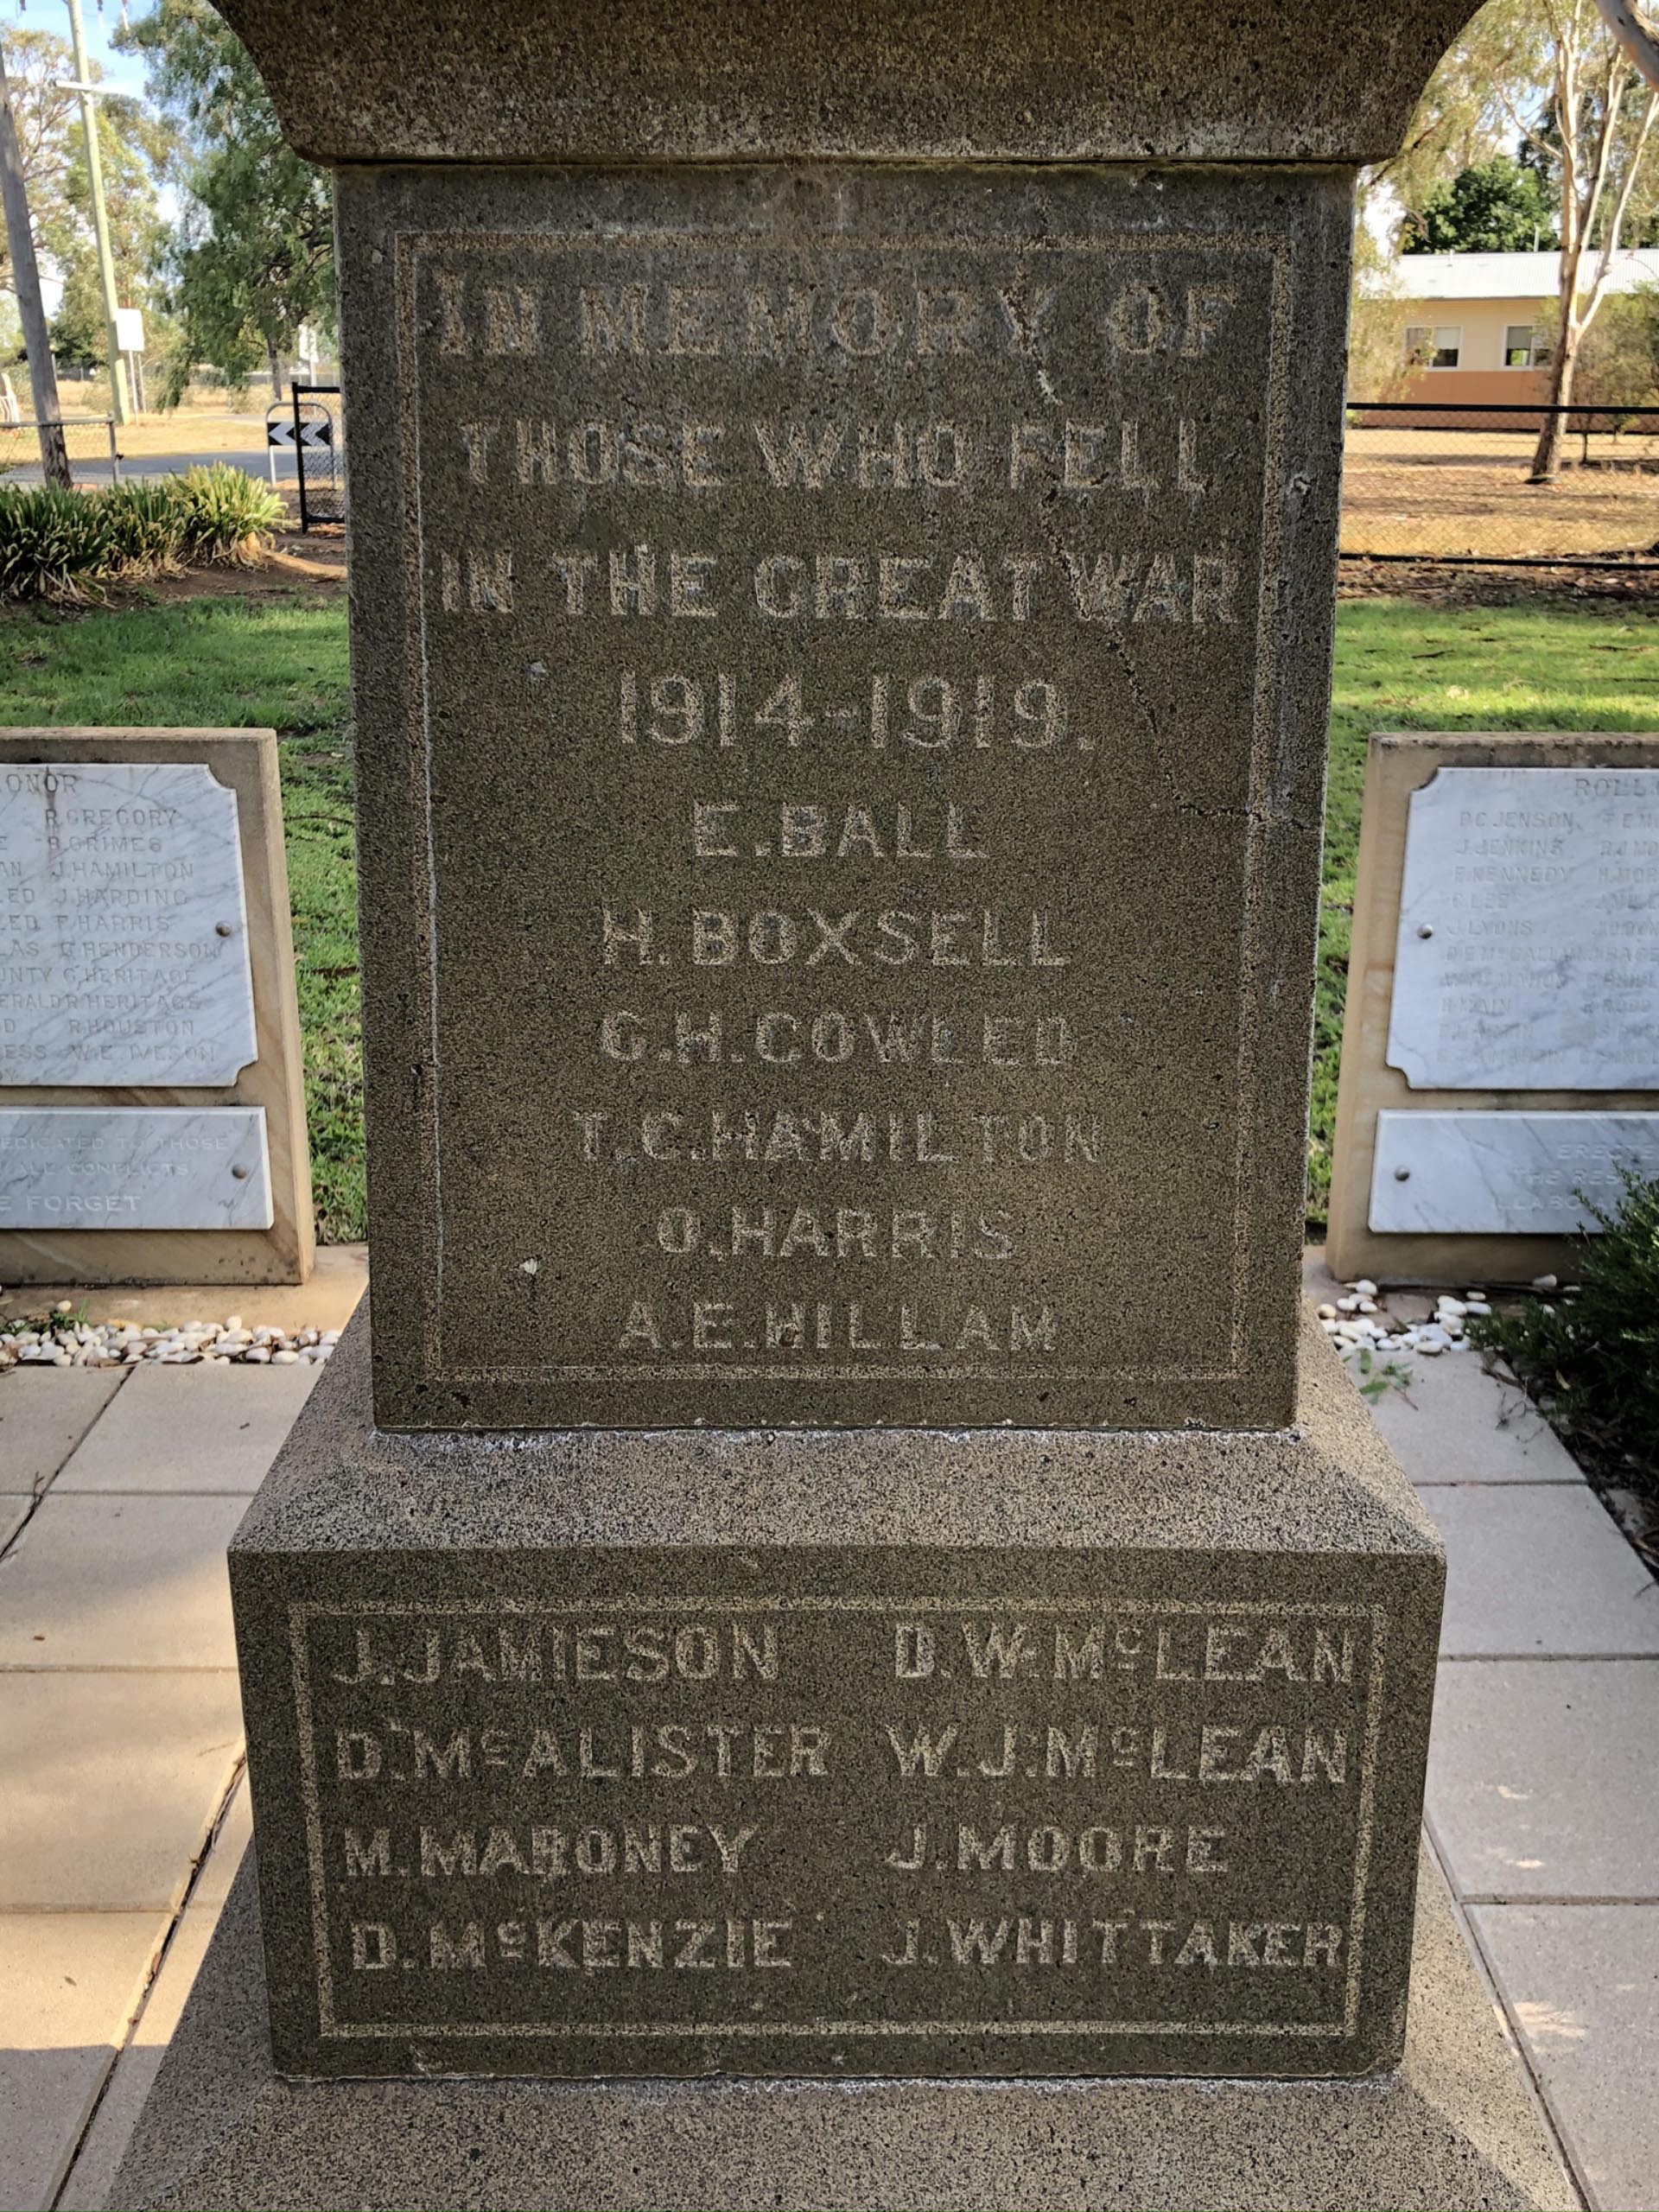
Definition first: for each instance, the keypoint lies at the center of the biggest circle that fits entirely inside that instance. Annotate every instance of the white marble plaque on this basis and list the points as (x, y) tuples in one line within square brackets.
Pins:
[(124, 931), (1504, 1175), (1527, 957), (134, 1167)]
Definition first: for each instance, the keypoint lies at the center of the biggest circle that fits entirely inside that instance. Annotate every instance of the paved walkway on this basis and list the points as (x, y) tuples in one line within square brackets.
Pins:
[(124, 1812)]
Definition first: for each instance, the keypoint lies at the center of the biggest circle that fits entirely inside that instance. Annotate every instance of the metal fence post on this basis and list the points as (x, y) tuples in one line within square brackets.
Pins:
[(115, 458), (299, 459)]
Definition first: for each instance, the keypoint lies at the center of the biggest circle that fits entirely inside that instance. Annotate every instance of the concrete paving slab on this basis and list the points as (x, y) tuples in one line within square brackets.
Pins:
[(88, 2186), (1541, 1780), (1582, 1984), (125, 1582), (200, 1428), (235, 1834), (1539, 1570), (68, 1982), (1454, 1422), (14, 1511), (44, 1414), (112, 1782)]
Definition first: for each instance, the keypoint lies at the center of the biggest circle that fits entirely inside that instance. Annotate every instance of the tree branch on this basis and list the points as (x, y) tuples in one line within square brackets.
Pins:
[(1633, 35)]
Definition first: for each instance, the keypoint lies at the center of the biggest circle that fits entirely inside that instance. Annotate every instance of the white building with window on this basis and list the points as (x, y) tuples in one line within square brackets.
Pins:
[(1476, 324)]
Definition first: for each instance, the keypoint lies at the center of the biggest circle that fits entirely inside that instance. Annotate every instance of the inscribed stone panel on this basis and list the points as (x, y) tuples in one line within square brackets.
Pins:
[(847, 858), (134, 1167), (1527, 957), (123, 928)]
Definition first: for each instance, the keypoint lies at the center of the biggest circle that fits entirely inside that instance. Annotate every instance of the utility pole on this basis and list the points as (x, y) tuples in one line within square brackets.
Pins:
[(89, 92), (26, 277)]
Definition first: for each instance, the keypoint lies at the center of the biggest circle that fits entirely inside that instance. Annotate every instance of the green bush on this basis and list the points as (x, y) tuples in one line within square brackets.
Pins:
[(1593, 1360), (56, 544), (144, 526), (228, 515), (51, 541)]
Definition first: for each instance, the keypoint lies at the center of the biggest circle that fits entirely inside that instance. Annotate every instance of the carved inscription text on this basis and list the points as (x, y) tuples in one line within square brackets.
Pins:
[(843, 674), (837, 1818)]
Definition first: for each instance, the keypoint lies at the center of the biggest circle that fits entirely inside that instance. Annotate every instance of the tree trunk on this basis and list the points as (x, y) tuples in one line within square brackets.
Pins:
[(26, 280), (278, 373), (1547, 453)]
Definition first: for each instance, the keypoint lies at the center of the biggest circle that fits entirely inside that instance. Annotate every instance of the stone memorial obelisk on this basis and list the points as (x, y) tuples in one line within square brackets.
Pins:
[(841, 1619)]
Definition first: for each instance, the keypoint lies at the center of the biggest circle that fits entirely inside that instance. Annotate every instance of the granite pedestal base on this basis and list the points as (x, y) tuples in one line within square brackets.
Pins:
[(1456, 2127), (994, 1754)]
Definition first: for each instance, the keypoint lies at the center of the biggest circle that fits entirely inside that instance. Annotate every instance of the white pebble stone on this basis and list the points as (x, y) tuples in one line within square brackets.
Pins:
[(284, 1359), (256, 1355), (1364, 1288)]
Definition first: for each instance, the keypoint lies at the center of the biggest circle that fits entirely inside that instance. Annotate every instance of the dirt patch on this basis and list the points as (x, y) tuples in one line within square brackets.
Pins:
[(312, 562), (1470, 491)]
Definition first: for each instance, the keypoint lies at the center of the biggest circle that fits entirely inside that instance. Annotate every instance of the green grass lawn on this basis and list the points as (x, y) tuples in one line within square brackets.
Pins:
[(281, 661)]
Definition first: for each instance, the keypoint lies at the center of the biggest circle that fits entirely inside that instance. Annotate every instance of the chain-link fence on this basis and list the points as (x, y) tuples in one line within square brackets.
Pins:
[(1454, 483), (88, 439)]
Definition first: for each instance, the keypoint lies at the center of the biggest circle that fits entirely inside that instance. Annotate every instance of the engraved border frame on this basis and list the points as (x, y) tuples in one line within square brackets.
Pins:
[(1263, 807), (302, 1612)]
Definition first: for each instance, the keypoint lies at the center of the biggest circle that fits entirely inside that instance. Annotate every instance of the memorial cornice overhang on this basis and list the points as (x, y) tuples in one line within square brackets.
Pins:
[(593, 81)]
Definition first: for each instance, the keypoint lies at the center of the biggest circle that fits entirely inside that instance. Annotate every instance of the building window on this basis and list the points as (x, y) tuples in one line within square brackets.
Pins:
[(1525, 347), (1430, 346)]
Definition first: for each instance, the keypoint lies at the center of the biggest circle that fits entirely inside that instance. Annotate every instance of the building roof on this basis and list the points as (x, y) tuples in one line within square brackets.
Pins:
[(1504, 276)]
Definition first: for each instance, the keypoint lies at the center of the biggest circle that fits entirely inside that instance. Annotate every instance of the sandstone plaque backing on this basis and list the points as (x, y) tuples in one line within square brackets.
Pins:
[(1556, 931), (151, 985), (841, 664)]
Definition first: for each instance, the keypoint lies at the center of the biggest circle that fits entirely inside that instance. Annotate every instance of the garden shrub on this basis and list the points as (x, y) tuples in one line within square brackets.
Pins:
[(57, 545), (1591, 1360)]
